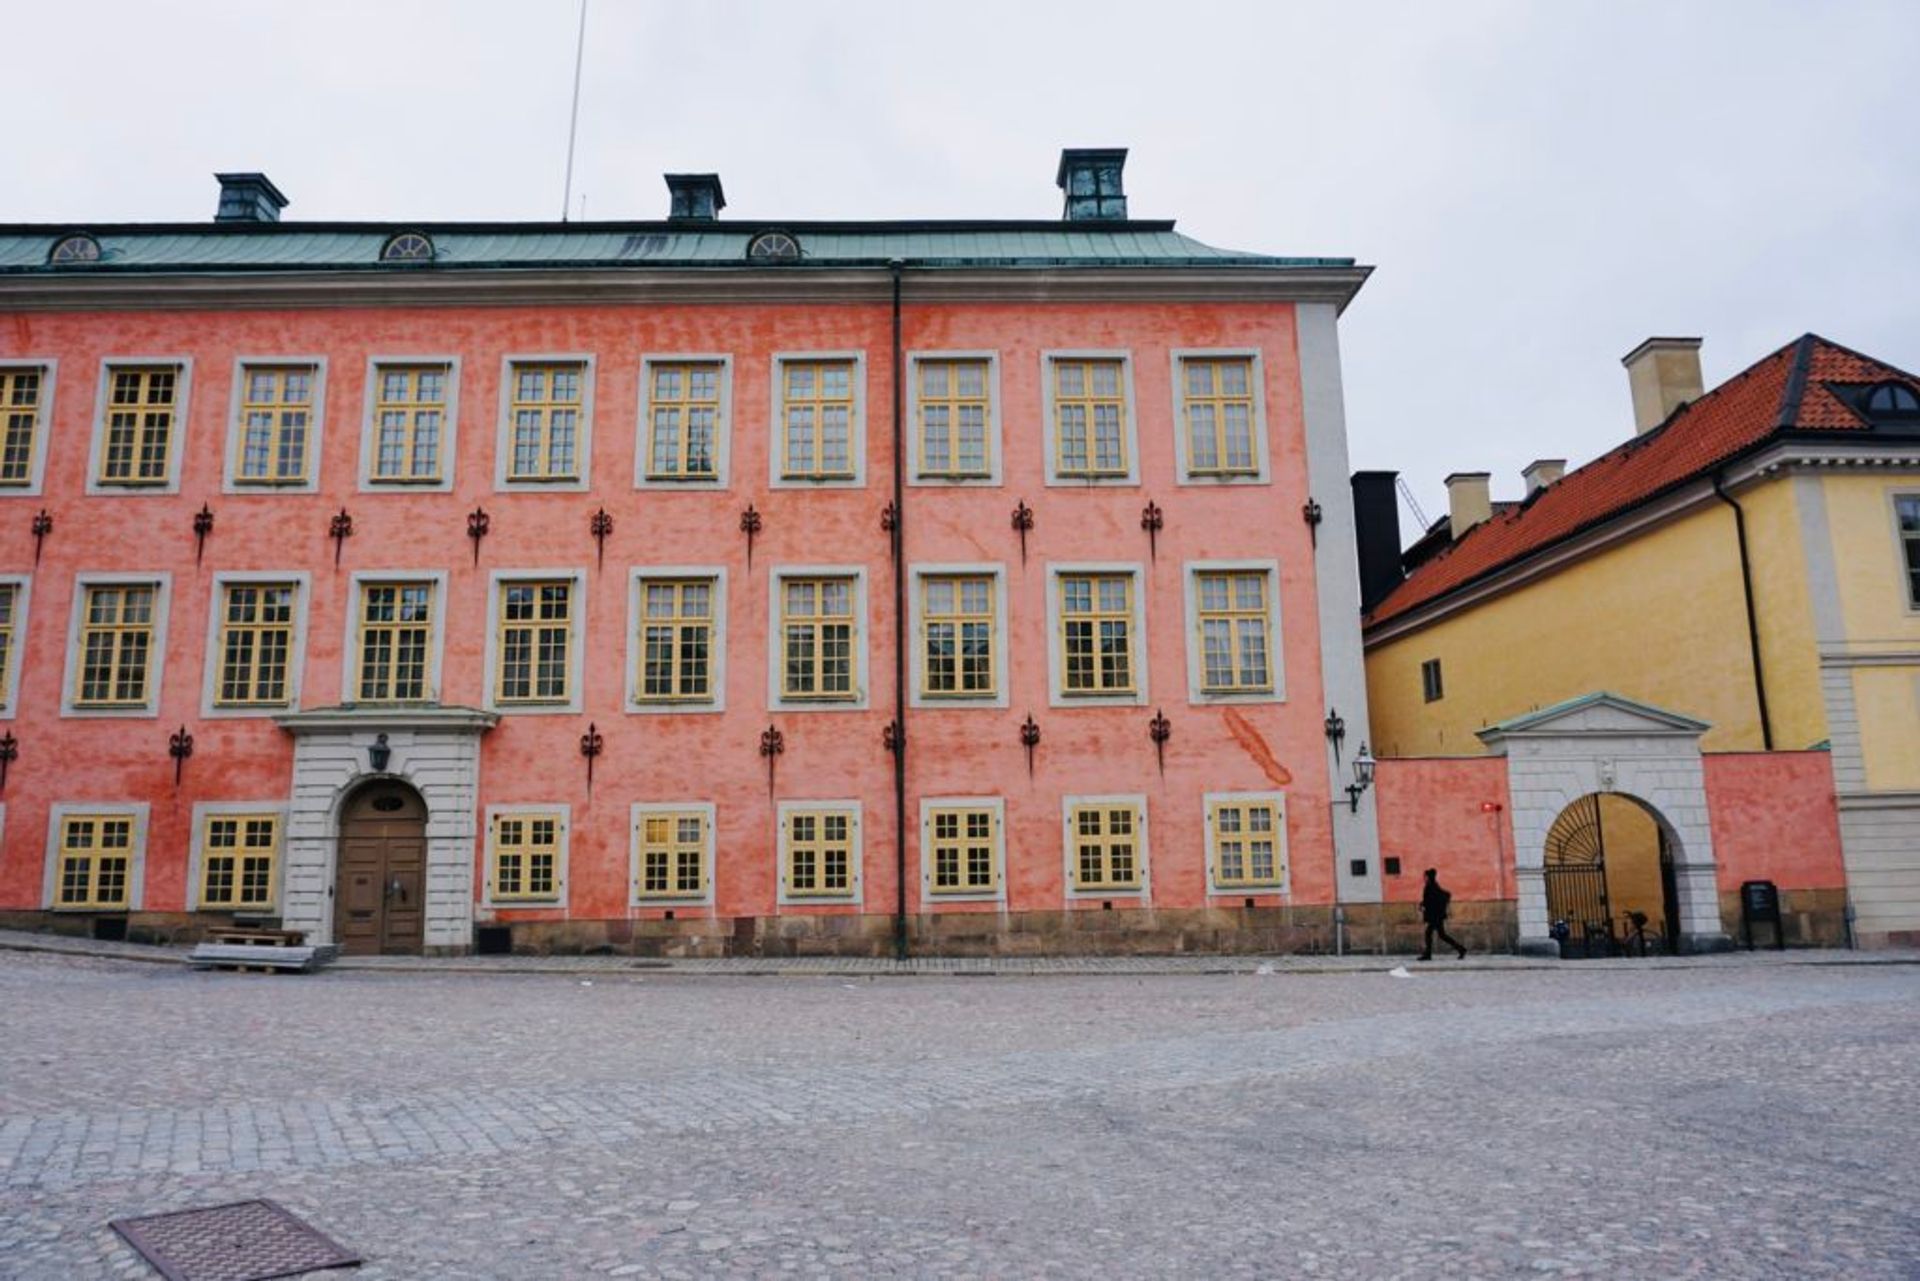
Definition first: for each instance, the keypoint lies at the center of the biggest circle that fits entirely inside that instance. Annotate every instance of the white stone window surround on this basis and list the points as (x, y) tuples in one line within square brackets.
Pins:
[(302, 583), (722, 431), (916, 443), (1257, 375), (576, 640), (231, 482), (370, 431), (162, 583), (1056, 658), (917, 574), (137, 865), (42, 426), (637, 812), (558, 898), (436, 640), (1895, 494), (503, 435), (637, 580), (1196, 654), (196, 853), (854, 895), (777, 422), (862, 622), (1129, 419), (930, 901), (1276, 799), (182, 403), (1142, 893), (22, 597)]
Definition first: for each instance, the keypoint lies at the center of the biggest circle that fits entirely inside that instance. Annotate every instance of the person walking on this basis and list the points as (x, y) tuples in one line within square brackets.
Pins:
[(1434, 901)]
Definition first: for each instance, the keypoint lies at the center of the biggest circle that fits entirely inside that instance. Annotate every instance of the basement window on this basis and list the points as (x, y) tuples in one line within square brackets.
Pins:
[(1430, 684)]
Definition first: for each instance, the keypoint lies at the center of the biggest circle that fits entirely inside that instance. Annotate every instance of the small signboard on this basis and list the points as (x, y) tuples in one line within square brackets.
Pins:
[(1760, 904)]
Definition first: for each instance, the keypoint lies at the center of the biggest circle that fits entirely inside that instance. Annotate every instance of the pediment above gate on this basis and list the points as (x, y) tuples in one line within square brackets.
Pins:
[(1599, 714)]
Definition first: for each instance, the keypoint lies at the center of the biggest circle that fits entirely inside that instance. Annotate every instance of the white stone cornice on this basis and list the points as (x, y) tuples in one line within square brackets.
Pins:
[(350, 718)]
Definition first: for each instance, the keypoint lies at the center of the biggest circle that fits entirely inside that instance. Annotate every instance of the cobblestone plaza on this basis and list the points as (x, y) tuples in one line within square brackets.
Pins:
[(1732, 1119)]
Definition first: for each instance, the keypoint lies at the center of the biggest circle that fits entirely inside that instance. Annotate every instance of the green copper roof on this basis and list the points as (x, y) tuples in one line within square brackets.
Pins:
[(207, 247)]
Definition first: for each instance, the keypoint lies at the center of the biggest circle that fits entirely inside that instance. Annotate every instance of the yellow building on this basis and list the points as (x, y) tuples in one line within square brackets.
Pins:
[(1750, 559)]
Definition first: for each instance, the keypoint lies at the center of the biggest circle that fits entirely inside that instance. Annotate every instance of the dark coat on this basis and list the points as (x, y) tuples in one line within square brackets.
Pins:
[(1433, 903)]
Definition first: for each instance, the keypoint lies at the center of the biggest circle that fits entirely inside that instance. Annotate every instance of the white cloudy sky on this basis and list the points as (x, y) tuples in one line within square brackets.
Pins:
[(1540, 185)]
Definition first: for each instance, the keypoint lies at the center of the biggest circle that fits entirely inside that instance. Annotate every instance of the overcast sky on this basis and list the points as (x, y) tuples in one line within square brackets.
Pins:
[(1539, 185)]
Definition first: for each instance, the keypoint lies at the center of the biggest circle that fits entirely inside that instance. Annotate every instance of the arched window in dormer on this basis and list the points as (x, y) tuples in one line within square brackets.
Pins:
[(407, 246), (773, 246), (76, 248), (1893, 400)]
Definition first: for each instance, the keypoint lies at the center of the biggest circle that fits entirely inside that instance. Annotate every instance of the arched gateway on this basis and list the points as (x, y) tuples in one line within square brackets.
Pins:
[(1610, 749)]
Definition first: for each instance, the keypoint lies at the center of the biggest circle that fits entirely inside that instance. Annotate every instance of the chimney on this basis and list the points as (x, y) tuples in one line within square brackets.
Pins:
[(1664, 374), (248, 197), (1090, 177), (1542, 472), (1376, 522), (696, 197), (1469, 501)]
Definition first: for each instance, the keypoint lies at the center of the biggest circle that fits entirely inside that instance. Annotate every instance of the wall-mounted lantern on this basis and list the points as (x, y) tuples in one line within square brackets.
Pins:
[(379, 753), (1362, 778)]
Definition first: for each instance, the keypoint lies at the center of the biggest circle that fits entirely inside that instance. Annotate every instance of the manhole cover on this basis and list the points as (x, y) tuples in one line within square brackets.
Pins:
[(244, 1241)]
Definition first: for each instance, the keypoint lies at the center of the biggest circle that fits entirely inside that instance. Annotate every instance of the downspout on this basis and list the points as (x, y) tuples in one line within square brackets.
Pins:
[(898, 533), (1753, 619)]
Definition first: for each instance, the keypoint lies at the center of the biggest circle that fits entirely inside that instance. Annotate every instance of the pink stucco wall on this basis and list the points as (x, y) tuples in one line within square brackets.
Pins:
[(1774, 818), (1447, 813), (829, 754)]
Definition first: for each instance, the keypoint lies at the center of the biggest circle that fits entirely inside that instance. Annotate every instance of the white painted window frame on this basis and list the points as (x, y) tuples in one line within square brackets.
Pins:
[(1197, 694), (562, 857), (855, 895), (182, 403), (503, 433), (436, 642), (138, 811), (370, 483), (1278, 800), (1129, 421), (1143, 893), (777, 421), (918, 572), (776, 698), (196, 855), (49, 369), (637, 579), (162, 583), (1894, 494), (576, 641), (1056, 659), (23, 597), (722, 434), (231, 482), (928, 804), (1263, 473), (639, 810), (296, 654), (916, 437)]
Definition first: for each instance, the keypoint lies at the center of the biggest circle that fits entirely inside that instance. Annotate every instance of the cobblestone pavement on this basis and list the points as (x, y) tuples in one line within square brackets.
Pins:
[(1741, 1120)]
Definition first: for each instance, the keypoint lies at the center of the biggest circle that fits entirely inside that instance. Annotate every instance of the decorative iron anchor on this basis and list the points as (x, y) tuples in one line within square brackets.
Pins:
[(750, 525), (9, 752), (600, 526), (202, 526), (478, 523), (1023, 524), (1160, 729), (772, 744), (179, 746), (1152, 519), (42, 526), (339, 529), (1030, 739), (591, 745)]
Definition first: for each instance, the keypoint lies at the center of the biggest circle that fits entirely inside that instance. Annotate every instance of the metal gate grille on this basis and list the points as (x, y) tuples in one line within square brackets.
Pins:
[(1576, 881)]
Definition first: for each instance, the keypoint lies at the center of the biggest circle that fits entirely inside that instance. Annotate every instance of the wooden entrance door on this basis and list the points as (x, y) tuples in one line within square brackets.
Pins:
[(379, 902)]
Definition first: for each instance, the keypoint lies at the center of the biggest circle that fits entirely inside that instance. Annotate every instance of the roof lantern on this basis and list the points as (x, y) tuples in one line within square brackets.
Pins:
[(1090, 177), (248, 197), (696, 197)]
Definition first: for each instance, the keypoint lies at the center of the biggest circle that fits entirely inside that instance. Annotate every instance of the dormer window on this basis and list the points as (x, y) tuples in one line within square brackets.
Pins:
[(1892, 400), (74, 249), (407, 246), (773, 246)]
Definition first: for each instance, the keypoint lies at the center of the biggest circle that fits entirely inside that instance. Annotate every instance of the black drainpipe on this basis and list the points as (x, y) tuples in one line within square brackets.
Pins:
[(1753, 620), (899, 534)]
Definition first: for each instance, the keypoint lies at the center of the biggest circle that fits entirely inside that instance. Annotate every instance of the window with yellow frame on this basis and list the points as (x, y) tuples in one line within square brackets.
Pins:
[(1236, 651), (820, 853), (1096, 634), (676, 640), (1104, 850), (683, 401), (817, 637), (1089, 418), (116, 646), (953, 397), (256, 640), (963, 850), (672, 855), (545, 419), (396, 636), (138, 446), (276, 420), (239, 858), (535, 642), (816, 417), (20, 396), (410, 423), (96, 861), (523, 857), (957, 627), (9, 620), (1247, 843), (1217, 399)]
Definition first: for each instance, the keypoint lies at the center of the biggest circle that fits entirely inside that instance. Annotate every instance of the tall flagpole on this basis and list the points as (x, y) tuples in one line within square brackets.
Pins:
[(573, 124)]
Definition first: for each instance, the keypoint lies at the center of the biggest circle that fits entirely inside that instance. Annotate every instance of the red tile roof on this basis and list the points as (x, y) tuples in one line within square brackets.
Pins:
[(1785, 391)]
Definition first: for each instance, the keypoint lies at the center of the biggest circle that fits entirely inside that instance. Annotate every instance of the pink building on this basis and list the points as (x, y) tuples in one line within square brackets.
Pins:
[(681, 586)]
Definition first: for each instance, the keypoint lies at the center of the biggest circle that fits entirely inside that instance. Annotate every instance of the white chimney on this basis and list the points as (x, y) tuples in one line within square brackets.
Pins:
[(1664, 374), (1469, 501), (1542, 472)]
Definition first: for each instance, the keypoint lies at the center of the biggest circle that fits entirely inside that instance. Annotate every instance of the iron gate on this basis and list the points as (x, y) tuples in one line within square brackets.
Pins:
[(1576, 881)]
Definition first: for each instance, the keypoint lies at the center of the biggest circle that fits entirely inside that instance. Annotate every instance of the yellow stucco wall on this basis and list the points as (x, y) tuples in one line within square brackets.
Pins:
[(1776, 554), (1871, 573)]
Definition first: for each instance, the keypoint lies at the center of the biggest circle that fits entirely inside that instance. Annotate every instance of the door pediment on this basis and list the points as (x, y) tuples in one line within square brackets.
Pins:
[(1596, 714)]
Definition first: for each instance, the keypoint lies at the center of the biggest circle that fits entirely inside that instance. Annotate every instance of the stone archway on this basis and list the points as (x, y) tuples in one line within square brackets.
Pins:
[(1602, 743)]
